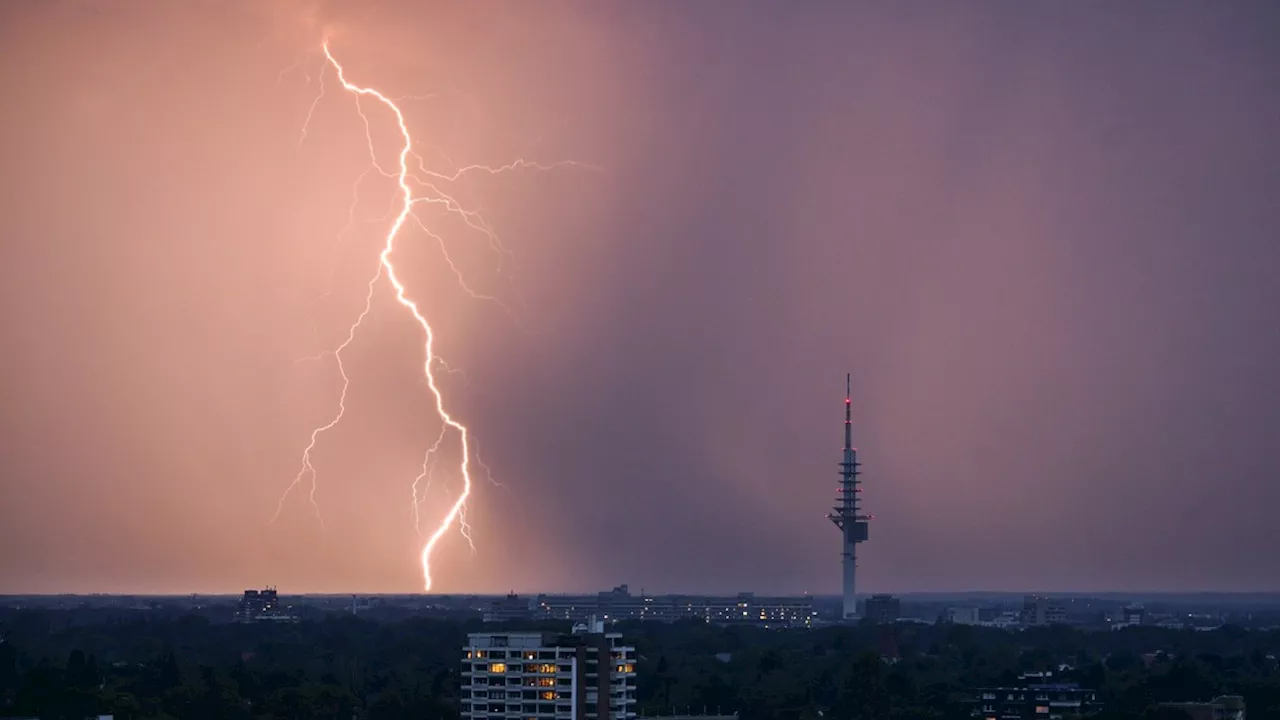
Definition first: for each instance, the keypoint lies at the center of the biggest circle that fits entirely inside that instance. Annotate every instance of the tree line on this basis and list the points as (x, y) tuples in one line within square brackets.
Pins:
[(55, 664)]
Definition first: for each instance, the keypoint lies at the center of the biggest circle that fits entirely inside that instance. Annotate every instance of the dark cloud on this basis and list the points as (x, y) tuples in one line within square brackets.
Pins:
[(1040, 238)]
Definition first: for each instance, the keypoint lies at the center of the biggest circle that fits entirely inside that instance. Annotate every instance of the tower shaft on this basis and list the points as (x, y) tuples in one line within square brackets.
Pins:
[(847, 513)]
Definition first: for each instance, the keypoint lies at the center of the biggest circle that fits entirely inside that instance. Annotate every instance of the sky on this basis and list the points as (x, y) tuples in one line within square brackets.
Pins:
[(1040, 236)]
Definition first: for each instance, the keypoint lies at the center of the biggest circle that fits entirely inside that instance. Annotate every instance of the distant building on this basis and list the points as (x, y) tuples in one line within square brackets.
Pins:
[(509, 609), (989, 616), (620, 604), (882, 608), (1225, 707), (1040, 610), (262, 606), (257, 602), (1129, 616), (1135, 614), (587, 675), (1035, 698)]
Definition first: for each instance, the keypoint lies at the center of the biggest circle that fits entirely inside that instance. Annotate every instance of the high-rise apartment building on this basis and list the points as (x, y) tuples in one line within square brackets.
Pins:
[(262, 606), (587, 674)]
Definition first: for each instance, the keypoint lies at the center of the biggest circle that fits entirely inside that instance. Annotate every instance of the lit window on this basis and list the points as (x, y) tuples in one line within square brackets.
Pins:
[(549, 695), (498, 667)]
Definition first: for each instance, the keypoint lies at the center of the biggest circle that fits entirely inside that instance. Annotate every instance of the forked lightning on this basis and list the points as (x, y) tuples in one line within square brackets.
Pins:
[(429, 181)]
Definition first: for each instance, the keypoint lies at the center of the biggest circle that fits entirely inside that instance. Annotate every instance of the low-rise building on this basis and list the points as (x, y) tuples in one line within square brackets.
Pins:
[(1223, 707), (1129, 616), (620, 604), (1035, 698), (882, 608), (989, 616), (509, 609)]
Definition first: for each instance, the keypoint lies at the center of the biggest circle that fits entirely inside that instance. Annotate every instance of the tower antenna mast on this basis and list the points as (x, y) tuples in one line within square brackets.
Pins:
[(847, 513)]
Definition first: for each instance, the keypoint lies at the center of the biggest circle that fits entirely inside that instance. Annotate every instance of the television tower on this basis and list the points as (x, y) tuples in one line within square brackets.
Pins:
[(847, 513)]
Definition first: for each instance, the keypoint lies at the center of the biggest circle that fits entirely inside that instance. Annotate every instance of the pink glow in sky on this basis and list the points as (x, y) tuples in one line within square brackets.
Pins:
[(1041, 237)]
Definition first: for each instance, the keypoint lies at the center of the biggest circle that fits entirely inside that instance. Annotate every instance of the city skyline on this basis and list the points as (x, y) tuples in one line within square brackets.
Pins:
[(1040, 237)]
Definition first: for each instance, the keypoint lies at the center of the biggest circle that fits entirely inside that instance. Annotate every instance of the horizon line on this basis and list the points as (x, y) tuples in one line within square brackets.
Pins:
[(735, 593)]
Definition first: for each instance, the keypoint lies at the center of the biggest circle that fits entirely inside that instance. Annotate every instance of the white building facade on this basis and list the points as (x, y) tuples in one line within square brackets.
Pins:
[(586, 675)]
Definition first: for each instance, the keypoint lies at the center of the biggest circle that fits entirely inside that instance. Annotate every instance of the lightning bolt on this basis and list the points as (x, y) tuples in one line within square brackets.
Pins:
[(311, 111), (387, 268), (407, 176), (426, 474)]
